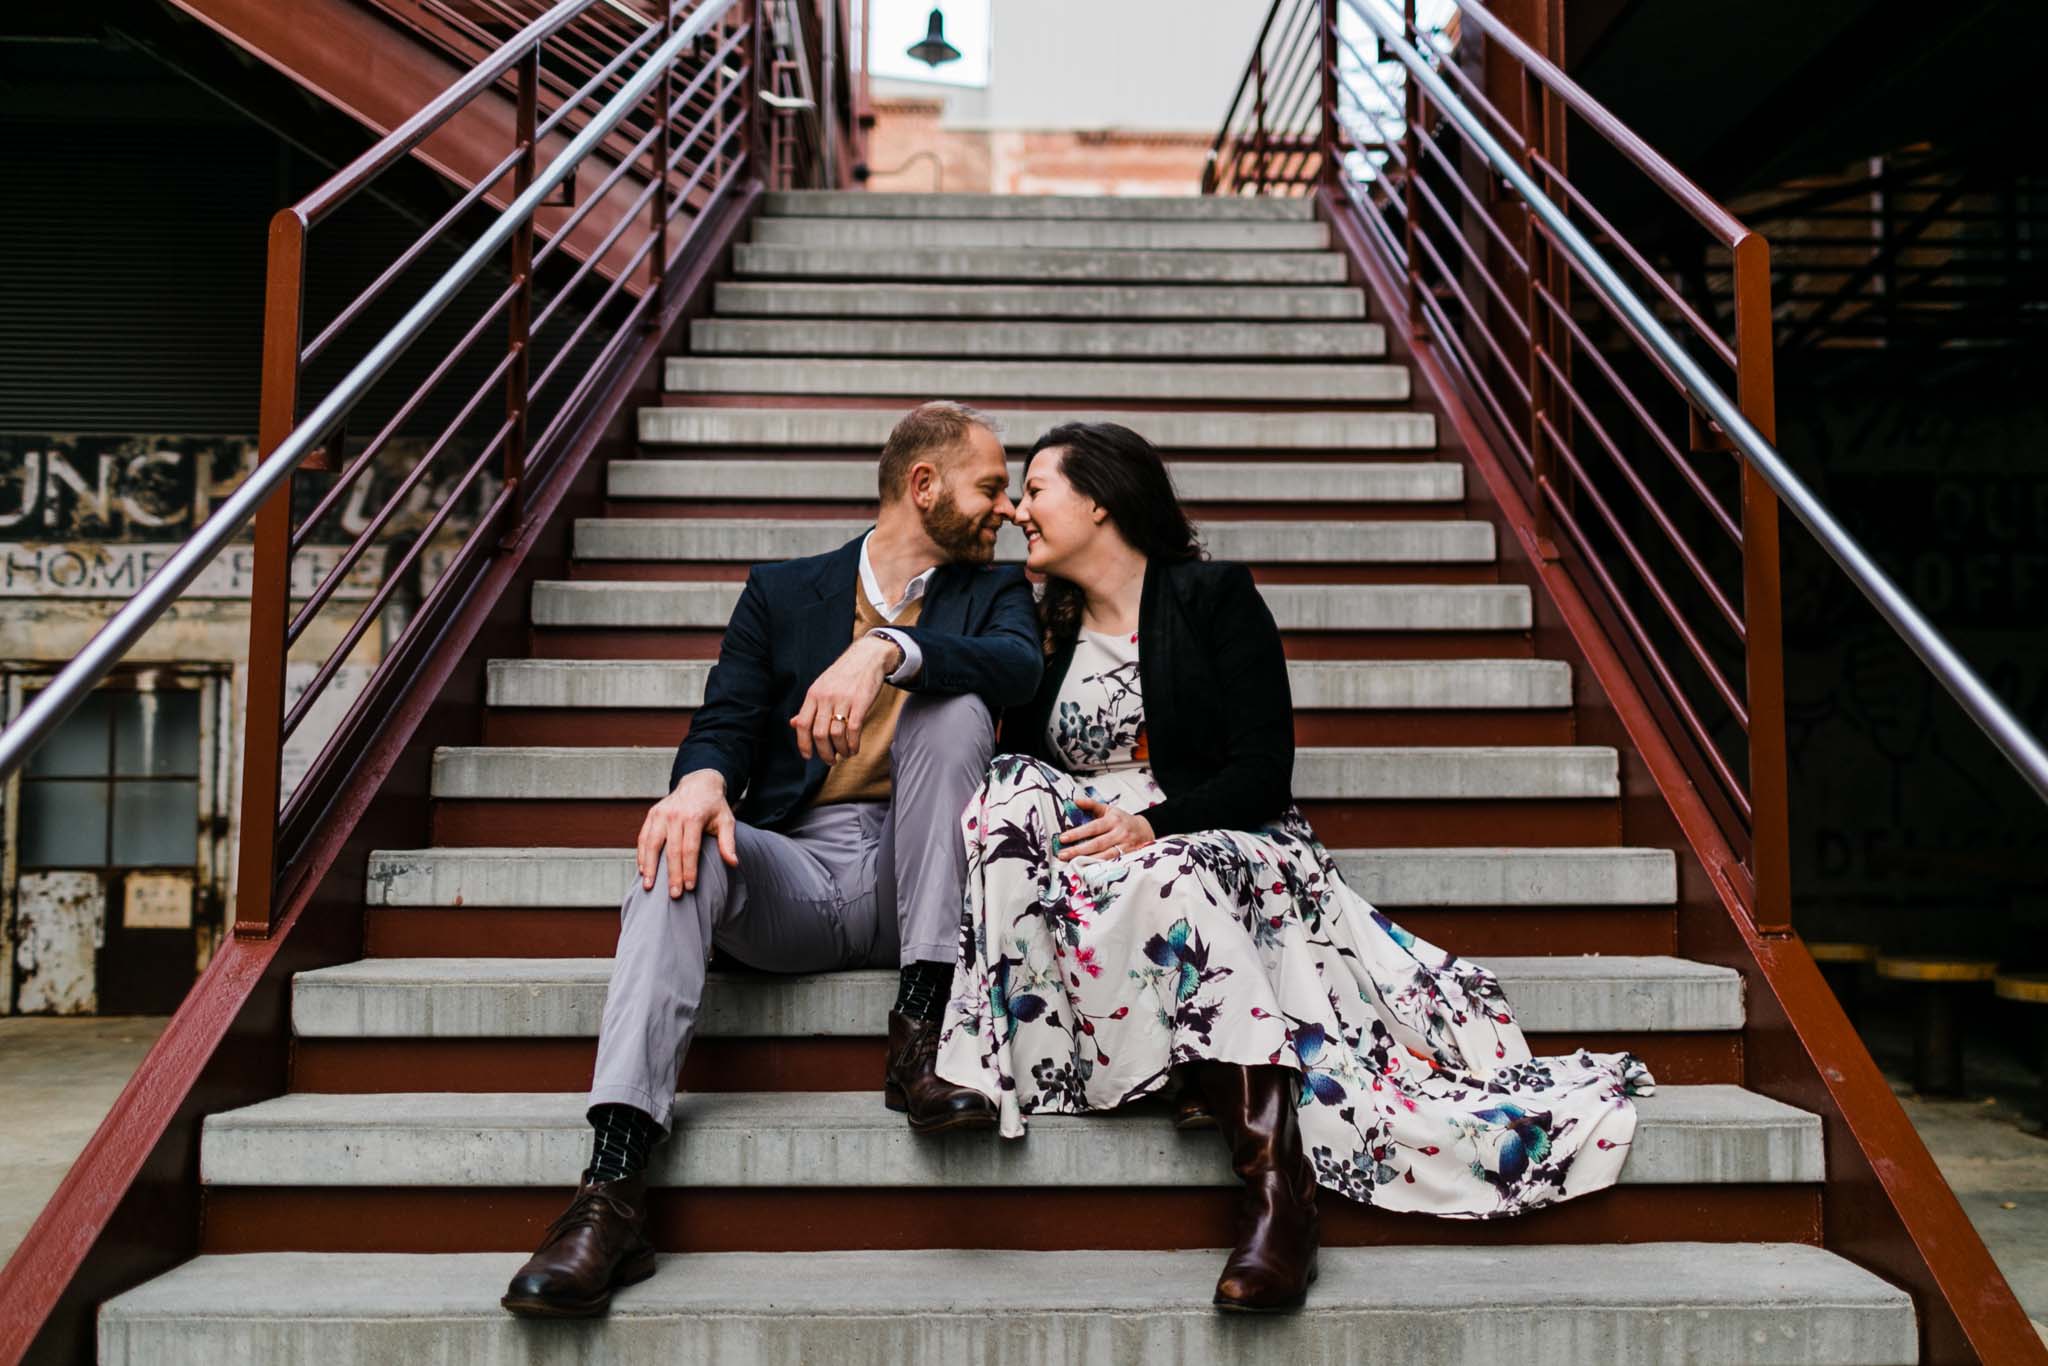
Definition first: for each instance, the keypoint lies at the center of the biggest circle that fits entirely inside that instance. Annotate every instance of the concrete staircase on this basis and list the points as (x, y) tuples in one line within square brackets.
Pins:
[(434, 1124)]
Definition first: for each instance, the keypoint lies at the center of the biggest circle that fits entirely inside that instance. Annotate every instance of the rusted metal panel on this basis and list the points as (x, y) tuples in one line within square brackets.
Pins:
[(57, 925)]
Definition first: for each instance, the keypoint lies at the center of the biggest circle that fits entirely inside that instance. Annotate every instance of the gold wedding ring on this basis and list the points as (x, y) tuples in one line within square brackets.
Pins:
[(838, 716)]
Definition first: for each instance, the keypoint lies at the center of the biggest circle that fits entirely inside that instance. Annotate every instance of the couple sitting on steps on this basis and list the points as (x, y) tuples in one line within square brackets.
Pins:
[(1116, 898)]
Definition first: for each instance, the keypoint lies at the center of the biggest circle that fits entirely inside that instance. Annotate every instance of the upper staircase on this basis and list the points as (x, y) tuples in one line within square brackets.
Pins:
[(433, 1123)]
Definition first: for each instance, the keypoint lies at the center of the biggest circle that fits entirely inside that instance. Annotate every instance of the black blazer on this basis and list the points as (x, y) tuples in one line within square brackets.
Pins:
[(1219, 717), (978, 634)]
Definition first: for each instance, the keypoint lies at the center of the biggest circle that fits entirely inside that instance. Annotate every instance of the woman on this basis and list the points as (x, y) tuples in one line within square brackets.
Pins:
[(1143, 899)]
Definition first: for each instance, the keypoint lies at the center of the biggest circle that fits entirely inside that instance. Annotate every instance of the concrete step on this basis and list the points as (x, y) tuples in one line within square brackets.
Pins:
[(1199, 481), (823, 428), (1425, 684), (1293, 382), (1762, 1303), (1297, 305), (634, 773), (1054, 265), (757, 540), (1386, 877), (1097, 234), (587, 604), (1175, 341), (793, 1139), (862, 204), (506, 998)]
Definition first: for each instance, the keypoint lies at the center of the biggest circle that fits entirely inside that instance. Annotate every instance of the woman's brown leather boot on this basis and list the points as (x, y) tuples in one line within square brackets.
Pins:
[(1275, 1258)]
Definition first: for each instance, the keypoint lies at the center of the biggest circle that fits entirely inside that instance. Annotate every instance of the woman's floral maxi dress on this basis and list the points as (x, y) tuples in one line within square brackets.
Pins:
[(1080, 984)]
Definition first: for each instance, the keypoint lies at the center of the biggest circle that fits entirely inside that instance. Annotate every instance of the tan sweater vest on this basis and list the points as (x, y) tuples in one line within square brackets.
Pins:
[(865, 776)]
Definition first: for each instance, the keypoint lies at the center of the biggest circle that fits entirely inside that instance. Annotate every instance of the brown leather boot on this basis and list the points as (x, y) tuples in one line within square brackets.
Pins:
[(596, 1246), (1274, 1261), (913, 1084), (1191, 1107)]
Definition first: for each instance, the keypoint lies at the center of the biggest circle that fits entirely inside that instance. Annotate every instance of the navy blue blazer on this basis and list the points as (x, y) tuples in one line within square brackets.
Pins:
[(978, 634)]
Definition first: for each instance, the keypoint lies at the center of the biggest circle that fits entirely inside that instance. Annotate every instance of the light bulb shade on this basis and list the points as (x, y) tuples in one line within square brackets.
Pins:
[(933, 49)]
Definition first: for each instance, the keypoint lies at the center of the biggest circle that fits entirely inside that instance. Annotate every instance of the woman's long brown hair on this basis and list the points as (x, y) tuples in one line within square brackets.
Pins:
[(1124, 474)]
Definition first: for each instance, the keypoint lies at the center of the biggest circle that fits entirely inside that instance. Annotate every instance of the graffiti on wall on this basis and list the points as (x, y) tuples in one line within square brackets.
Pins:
[(94, 516)]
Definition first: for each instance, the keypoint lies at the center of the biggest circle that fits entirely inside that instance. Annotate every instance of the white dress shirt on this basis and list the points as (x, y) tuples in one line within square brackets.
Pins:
[(913, 658)]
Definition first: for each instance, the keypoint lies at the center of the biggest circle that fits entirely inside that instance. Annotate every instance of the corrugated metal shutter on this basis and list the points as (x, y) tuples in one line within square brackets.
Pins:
[(131, 277)]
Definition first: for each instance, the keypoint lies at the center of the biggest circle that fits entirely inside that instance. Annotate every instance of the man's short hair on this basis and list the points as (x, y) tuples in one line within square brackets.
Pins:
[(938, 426)]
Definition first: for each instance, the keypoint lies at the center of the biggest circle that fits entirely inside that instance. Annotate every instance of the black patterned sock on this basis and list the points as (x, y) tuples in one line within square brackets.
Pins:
[(923, 990), (621, 1139)]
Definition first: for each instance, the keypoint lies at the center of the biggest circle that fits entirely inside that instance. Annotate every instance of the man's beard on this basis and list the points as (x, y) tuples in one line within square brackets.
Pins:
[(956, 534)]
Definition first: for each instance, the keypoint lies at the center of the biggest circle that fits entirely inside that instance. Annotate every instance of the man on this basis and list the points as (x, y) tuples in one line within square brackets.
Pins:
[(850, 766)]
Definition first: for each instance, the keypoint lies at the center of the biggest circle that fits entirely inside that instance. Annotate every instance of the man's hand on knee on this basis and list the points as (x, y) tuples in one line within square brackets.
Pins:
[(675, 828)]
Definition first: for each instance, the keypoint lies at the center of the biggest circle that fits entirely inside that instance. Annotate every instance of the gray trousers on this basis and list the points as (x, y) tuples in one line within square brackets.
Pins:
[(853, 885)]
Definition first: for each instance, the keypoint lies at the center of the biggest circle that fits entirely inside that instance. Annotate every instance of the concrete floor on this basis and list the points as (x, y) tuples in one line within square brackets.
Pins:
[(58, 1076), (57, 1079)]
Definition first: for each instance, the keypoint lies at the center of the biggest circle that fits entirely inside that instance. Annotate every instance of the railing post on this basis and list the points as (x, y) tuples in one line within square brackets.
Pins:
[(520, 313), (270, 591), (664, 148), (1259, 120), (752, 107), (1329, 139), (1770, 851), (1536, 258), (1411, 167)]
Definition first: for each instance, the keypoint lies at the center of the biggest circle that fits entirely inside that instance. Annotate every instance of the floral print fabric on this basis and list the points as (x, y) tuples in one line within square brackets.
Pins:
[(1081, 984)]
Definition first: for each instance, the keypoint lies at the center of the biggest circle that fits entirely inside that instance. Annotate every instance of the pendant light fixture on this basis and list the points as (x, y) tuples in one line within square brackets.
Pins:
[(933, 49)]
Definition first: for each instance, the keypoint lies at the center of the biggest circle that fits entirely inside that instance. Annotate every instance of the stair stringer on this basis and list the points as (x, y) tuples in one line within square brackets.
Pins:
[(364, 63), (1885, 1205)]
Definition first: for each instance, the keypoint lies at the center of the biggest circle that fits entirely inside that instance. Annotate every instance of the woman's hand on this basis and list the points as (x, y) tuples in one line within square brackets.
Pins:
[(1112, 833)]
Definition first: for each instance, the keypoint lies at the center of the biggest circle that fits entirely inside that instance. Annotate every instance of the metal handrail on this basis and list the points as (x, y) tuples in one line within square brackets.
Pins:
[(104, 652), (1962, 682)]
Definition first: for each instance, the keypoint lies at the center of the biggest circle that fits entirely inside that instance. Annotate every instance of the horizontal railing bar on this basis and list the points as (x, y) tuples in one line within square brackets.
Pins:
[(376, 287), (1444, 66), (1244, 81), (1686, 555), (640, 254), (1475, 263), (400, 142), (604, 187), (1380, 138), (1507, 363), (1561, 513), (1479, 210), (334, 577), (623, 336), (624, 332), (1955, 674), (98, 657), (1433, 310), (1695, 201), (399, 418), (1635, 258), (589, 87), (393, 577), (1643, 417)]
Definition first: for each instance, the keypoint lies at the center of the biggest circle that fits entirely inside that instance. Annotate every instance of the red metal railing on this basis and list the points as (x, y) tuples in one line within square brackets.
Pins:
[(579, 259), (494, 398), (1639, 501), (1636, 492)]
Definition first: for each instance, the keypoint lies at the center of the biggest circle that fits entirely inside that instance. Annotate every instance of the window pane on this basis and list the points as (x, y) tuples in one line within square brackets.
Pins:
[(156, 732), (156, 823), (63, 825), (78, 748)]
